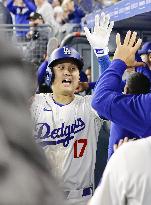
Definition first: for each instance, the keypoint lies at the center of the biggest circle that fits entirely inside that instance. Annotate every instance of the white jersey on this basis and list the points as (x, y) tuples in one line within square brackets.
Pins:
[(127, 177), (69, 136)]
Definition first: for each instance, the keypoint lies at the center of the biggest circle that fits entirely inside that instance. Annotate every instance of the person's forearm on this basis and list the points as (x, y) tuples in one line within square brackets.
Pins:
[(128, 111), (104, 63), (31, 6), (10, 6), (108, 83), (111, 78)]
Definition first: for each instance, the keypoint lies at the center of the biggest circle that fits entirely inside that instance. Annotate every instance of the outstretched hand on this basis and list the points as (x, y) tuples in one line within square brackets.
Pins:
[(99, 38), (126, 51), (121, 142)]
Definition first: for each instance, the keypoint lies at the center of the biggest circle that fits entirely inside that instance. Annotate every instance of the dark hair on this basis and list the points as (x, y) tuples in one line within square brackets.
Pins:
[(138, 84)]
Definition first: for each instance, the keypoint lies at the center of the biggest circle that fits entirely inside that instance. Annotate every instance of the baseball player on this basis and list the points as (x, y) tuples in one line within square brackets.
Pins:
[(117, 132), (133, 110), (43, 73), (133, 113), (137, 84), (145, 53), (66, 126)]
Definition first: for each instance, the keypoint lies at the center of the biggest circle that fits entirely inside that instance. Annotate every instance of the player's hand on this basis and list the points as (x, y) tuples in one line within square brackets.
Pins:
[(121, 142), (126, 51), (99, 38), (82, 87)]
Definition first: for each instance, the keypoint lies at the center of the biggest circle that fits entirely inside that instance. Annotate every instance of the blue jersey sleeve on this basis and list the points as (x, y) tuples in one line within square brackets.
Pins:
[(31, 6), (11, 7), (117, 133), (104, 63), (132, 112), (41, 73), (144, 70), (92, 85)]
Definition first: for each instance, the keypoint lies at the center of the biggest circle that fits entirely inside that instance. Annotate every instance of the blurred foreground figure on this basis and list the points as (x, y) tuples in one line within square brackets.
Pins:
[(25, 177)]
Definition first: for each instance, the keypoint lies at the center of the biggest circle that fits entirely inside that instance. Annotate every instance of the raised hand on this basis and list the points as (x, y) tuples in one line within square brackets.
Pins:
[(99, 38), (126, 51)]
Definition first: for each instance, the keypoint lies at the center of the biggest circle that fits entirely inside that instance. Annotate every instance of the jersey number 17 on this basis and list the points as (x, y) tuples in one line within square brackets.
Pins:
[(79, 147)]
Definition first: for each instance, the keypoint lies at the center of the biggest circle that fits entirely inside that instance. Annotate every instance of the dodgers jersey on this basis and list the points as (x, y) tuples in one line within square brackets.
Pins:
[(68, 135)]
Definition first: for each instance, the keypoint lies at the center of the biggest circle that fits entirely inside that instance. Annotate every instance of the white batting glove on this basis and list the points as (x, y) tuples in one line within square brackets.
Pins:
[(99, 38)]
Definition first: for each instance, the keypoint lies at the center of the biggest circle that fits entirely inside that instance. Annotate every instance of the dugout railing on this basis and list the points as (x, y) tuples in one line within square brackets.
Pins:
[(32, 46)]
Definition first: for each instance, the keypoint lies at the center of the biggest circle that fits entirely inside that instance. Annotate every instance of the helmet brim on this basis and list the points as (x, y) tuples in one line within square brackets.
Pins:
[(79, 63)]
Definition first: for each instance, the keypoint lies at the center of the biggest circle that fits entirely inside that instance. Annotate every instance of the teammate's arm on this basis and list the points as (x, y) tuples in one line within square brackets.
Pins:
[(129, 111), (31, 6), (11, 7)]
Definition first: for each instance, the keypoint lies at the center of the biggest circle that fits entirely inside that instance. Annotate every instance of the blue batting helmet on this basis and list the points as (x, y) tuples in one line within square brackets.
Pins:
[(64, 53), (146, 48)]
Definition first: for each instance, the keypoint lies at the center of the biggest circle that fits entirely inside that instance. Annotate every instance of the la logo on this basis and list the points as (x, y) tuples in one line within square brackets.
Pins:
[(67, 51)]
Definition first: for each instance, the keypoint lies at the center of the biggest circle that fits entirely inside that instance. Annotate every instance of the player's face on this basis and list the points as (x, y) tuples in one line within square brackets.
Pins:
[(66, 77), (149, 58), (144, 58)]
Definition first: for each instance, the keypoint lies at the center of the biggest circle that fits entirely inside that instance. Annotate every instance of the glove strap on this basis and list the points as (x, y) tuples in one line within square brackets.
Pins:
[(101, 52)]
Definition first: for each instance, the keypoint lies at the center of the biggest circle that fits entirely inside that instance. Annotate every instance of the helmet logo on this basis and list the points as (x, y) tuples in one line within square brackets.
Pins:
[(67, 51)]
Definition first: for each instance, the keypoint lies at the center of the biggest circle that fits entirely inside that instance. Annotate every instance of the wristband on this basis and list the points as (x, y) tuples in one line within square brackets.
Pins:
[(101, 52)]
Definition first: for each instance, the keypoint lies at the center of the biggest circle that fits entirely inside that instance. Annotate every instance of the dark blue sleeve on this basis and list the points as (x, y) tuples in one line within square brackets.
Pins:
[(11, 7), (31, 6), (132, 112), (92, 85), (123, 83), (104, 63), (117, 133), (78, 11), (41, 73), (144, 70)]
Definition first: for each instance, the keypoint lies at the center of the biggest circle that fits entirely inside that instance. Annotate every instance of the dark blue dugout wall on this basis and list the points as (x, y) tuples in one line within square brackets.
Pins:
[(123, 10)]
